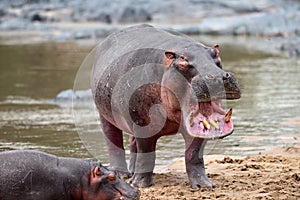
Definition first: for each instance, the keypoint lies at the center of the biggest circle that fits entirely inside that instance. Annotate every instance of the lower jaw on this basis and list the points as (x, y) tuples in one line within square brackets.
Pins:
[(215, 125)]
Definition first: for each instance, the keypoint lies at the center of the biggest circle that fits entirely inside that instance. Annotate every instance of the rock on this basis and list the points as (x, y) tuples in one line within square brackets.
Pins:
[(37, 17), (268, 18), (69, 95), (268, 24), (103, 32), (2, 12), (133, 15), (83, 34), (292, 47), (102, 17), (12, 24)]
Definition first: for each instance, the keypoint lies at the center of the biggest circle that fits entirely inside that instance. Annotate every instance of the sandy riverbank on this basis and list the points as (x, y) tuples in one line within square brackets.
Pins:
[(272, 175)]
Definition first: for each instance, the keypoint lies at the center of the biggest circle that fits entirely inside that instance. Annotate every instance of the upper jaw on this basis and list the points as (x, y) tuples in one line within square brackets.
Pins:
[(233, 95), (205, 89), (220, 96)]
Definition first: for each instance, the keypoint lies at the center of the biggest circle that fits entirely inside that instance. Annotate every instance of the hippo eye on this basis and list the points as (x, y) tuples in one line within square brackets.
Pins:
[(191, 66), (182, 57)]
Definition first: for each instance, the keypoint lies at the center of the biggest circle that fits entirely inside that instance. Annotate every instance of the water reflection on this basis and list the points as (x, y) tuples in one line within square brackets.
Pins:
[(33, 74), (39, 70)]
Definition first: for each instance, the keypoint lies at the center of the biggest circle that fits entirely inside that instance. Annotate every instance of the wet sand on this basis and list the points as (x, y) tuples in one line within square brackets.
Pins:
[(272, 175)]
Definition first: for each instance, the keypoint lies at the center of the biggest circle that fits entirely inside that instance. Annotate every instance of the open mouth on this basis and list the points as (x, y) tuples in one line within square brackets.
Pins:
[(119, 196), (208, 120)]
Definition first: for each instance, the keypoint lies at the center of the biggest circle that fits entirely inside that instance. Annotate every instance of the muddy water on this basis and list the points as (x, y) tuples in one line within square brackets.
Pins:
[(32, 75)]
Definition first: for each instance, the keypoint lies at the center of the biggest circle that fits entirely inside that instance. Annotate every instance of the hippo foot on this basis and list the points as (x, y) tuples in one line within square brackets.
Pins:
[(124, 175), (198, 177), (201, 182), (142, 180)]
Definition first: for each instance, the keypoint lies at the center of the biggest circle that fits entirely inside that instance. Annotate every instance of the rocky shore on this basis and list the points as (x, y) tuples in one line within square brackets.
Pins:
[(60, 20)]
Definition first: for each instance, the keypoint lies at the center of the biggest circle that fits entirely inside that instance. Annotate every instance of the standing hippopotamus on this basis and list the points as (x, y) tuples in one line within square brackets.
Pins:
[(32, 175), (150, 83)]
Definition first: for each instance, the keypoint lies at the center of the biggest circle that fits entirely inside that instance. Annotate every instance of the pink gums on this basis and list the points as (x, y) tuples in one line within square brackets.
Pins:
[(210, 113)]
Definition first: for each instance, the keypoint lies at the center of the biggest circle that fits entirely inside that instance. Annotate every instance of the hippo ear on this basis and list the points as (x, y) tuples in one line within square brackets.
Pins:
[(170, 55), (215, 55), (97, 172), (169, 58)]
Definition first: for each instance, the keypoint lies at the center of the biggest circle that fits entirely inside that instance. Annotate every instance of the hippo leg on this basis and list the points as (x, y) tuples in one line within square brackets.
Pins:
[(195, 164), (133, 153), (114, 140), (144, 162)]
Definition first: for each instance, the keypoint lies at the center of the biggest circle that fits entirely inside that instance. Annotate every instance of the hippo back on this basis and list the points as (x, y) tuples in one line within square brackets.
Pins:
[(127, 61), (130, 40)]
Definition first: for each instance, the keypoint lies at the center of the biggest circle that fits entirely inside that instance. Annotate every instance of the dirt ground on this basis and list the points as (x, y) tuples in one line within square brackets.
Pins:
[(272, 175)]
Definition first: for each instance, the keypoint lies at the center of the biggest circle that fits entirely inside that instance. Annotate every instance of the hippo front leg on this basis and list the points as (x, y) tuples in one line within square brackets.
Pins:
[(144, 159), (195, 164)]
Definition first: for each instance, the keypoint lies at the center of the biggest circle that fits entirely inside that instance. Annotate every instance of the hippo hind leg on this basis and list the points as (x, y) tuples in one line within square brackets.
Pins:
[(114, 140), (142, 161)]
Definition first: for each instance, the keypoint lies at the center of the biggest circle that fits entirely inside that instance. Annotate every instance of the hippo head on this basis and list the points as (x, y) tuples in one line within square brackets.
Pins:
[(105, 184), (197, 81)]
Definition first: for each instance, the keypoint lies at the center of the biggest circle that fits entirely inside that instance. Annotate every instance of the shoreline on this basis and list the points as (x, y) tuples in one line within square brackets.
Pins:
[(274, 174), (277, 20), (276, 45), (266, 45)]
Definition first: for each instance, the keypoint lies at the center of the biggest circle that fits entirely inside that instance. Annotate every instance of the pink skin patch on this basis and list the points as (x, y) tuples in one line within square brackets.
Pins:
[(207, 121)]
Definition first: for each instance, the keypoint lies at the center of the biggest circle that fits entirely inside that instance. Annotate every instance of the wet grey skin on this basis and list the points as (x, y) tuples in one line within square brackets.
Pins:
[(33, 175), (146, 82)]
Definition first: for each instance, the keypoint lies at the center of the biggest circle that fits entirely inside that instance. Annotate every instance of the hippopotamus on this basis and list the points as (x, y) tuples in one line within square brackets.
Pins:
[(150, 83), (34, 175)]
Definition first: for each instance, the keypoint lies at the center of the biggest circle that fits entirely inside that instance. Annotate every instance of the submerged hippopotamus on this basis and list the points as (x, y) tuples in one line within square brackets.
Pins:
[(150, 83), (33, 175)]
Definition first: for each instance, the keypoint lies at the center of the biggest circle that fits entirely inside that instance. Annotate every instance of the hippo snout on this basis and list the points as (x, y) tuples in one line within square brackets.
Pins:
[(231, 86), (115, 187), (208, 87), (131, 194), (134, 195), (206, 117)]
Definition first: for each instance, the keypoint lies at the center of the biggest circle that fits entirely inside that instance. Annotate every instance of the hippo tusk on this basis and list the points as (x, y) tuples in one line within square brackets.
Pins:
[(228, 115), (192, 119), (206, 124), (212, 122)]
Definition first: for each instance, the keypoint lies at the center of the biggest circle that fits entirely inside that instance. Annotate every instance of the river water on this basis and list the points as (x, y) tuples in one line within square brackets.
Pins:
[(32, 75)]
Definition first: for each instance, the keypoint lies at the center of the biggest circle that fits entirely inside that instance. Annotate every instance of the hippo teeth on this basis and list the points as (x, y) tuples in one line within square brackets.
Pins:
[(213, 122), (192, 119), (228, 115), (206, 124), (208, 120)]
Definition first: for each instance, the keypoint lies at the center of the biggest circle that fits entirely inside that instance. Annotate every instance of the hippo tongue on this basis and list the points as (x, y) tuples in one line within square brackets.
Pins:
[(208, 120), (207, 108)]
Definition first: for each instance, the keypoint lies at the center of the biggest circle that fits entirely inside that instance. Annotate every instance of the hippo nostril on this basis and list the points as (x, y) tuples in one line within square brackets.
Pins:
[(226, 76)]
